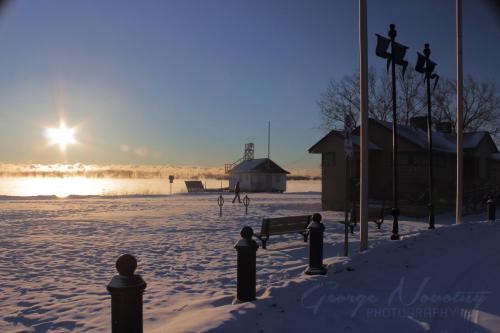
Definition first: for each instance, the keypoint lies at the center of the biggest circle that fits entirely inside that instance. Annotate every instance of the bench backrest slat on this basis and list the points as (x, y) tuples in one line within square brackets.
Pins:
[(285, 224)]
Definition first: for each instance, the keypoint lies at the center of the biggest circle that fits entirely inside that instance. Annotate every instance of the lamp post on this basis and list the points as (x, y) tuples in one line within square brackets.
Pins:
[(363, 133), (220, 202), (246, 202), (395, 57), (426, 66)]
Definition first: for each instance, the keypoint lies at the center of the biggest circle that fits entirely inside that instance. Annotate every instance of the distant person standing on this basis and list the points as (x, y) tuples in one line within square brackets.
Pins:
[(237, 192)]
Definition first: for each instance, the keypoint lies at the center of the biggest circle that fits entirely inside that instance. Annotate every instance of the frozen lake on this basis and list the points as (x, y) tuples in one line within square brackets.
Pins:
[(83, 186)]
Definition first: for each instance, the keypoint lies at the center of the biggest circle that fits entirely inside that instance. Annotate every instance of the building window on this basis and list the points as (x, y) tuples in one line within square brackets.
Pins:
[(328, 160), (470, 167)]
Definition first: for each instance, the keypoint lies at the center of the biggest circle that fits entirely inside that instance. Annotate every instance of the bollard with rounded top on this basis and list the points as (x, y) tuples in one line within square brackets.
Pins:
[(491, 210), (246, 202), (126, 291), (316, 229), (246, 266)]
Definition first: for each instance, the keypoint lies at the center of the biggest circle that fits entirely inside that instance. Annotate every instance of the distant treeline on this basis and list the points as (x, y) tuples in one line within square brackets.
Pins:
[(292, 177)]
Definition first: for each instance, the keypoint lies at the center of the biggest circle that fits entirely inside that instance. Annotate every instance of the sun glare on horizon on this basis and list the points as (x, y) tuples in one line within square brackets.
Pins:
[(61, 136)]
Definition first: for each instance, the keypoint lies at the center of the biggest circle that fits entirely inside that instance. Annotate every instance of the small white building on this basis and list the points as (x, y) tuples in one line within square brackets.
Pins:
[(258, 175)]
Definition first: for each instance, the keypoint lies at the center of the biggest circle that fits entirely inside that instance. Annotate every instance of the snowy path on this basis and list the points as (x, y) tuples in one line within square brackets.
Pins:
[(444, 280), (483, 272), (57, 255)]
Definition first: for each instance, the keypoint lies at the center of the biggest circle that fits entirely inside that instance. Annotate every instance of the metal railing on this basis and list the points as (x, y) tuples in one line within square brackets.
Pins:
[(229, 166)]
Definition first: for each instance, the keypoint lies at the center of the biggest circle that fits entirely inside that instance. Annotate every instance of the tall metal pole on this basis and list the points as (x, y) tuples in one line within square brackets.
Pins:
[(395, 210), (427, 53), (459, 125), (346, 206), (363, 95), (268, 139)]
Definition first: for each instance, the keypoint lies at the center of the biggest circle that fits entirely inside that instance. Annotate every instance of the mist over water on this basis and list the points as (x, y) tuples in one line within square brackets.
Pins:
[(63, 180), (129, 171), (81, 186)]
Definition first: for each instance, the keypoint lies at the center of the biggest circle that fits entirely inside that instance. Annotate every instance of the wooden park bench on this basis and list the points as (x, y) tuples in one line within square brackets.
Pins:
[(194, 186), (283, 225)]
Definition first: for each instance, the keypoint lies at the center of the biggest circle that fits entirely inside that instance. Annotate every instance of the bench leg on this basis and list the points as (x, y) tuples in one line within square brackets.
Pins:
[(351, 227), (380, 220), (264, 242)]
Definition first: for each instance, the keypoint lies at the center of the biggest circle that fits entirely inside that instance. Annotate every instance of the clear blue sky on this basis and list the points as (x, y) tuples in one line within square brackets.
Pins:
[(189, 82)]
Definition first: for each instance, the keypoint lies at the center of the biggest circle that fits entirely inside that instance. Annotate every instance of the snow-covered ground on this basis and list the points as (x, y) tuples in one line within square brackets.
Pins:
[(57, 255)]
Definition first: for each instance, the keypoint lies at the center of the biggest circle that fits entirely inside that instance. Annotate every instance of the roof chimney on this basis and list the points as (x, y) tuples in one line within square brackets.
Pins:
[(444, 127), (419, 122)]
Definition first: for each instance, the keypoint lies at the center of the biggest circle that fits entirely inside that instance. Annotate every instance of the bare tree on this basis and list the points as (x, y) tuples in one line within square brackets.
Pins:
[(443, 102), (380, 97), (481, 105), (411, 98), (481, 101), (341, 99)]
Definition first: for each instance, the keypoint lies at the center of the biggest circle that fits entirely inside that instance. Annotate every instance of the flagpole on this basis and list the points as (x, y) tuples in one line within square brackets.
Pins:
[(268, 139), (363, 93), (395, 208), (459, 124)]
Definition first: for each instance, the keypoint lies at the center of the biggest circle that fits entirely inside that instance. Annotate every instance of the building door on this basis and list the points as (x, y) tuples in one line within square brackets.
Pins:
[(269, 182)]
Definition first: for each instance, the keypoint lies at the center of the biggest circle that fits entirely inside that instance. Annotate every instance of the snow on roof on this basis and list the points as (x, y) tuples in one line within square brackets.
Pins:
[(495, 156), (472, 140), (440, 141), (258, 165), (355, 140)]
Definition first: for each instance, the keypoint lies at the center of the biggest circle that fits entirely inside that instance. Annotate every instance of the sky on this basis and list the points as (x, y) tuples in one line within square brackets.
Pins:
[(190, 82)]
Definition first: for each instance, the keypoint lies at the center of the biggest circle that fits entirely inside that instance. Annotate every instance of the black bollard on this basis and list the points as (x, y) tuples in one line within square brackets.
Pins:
[(491, 210), (316, 229), (246, 268), (126, 297)]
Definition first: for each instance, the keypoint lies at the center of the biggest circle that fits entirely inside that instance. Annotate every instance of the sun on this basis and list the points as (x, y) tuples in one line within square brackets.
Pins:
[(62, 136)]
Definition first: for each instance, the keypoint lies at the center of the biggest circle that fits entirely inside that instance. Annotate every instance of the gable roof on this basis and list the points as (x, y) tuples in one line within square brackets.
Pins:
[(258, 165), (495, 156), (417, 136), (440, 141), (474, 139), (320, 146)]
